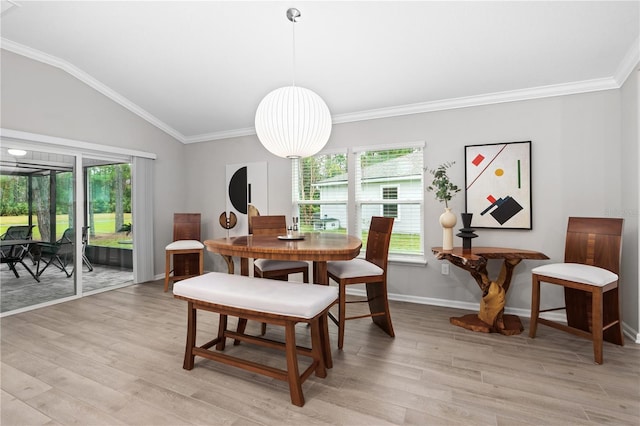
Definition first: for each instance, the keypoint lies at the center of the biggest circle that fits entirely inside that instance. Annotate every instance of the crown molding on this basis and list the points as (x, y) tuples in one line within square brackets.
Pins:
[(248, 131), (480, 100), (54, 61), (628, 64)]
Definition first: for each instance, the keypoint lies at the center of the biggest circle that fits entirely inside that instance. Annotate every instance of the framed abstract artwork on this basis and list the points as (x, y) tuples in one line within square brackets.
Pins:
[(498, 185), (246, 186)]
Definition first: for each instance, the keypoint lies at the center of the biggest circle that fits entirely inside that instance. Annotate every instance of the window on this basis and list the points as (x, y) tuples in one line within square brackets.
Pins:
[(333, 194), (390, 210), (109, 205), (320, 187)]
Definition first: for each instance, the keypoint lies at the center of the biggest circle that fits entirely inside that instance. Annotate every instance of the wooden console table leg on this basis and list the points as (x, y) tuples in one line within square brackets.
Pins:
[(491, 317)]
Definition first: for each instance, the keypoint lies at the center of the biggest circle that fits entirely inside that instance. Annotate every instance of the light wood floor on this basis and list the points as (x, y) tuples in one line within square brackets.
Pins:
[(116, 358)]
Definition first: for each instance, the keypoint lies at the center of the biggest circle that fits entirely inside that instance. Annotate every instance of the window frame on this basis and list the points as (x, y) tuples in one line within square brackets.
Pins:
[(354, 205)]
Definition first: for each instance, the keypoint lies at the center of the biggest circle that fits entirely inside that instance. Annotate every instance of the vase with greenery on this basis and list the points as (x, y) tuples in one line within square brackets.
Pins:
[(444, 191)]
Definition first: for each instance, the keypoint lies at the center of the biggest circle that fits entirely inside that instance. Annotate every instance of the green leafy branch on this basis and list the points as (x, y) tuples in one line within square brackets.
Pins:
[(442, 186)]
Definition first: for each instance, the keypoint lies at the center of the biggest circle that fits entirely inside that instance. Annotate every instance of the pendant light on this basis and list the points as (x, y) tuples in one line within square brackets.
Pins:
[(293, 122)]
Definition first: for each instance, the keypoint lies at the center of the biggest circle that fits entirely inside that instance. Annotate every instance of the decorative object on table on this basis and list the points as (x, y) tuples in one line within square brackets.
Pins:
[(246, 188), (466, 232), (445, 190), (293, 122), (228, 221), (498, 185)]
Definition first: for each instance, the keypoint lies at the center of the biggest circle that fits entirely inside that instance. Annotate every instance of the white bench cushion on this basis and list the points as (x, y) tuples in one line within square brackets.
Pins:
[(256, 294), (585, 274), (275, 265), (353, 268), (185, 245)]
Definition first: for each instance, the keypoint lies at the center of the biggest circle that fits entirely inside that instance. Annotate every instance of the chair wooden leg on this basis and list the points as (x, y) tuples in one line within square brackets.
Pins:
[(167, 270), (379, 303), (535, 306), (596, 324), (342, 305), (612, 315)]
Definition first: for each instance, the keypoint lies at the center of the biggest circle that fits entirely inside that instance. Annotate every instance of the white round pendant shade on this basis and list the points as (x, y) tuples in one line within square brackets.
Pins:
[(293, 122)]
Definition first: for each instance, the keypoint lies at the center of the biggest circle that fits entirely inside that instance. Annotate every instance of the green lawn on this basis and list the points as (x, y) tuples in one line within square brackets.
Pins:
[(103, 232)]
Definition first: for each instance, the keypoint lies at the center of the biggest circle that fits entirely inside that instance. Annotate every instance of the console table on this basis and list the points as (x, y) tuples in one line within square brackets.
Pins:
[(491, 318)]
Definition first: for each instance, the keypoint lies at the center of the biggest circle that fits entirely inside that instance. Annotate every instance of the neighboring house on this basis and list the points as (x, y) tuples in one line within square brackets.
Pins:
[(396, 179)]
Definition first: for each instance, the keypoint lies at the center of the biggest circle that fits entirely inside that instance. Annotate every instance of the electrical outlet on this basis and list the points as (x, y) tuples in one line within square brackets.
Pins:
[(445, 269)]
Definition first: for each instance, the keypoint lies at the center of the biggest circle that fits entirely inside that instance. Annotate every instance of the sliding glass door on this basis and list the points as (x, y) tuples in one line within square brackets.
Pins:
[(66, 224), (107, 236), (37, 222)]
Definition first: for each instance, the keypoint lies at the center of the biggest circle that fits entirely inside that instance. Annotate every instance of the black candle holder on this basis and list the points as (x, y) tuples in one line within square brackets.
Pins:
[(466, 233)]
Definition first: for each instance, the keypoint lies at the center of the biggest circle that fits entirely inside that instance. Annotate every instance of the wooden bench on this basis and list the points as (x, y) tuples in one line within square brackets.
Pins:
[(268, 301)]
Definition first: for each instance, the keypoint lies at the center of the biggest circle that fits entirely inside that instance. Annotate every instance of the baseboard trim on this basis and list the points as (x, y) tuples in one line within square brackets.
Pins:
[(469, 306)]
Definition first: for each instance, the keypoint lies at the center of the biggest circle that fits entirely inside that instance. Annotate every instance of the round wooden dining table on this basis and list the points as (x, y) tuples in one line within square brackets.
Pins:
[(313, 246)]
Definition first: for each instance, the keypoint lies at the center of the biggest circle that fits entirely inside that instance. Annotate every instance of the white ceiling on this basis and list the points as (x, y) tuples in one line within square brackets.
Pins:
[(198, 70)]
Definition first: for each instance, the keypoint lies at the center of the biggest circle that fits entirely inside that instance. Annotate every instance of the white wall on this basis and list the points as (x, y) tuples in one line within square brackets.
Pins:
[(576, 168), (630, 189), (584, 163), (39, 98)]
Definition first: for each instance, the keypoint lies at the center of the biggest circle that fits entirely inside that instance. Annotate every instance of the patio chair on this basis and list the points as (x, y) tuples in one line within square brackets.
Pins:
[(17, 232), (59, 253)]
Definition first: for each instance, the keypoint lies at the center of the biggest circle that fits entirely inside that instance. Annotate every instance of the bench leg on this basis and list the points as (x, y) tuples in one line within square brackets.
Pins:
[(324, 340), (242, 326), (295, 386), (191, 337), (222, 327), (317, 351)]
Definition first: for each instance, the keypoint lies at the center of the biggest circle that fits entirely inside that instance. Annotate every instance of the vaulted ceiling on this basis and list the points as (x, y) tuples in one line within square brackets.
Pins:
[(198, 70)]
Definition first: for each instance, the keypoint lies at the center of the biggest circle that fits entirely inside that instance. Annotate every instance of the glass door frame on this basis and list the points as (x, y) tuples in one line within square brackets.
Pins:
[(37, 142)]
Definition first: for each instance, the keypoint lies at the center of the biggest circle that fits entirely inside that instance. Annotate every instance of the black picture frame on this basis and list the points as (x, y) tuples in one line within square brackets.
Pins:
[(498, 185)]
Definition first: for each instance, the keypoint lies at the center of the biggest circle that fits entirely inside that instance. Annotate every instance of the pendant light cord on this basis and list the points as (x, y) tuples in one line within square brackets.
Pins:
[(293, 50)]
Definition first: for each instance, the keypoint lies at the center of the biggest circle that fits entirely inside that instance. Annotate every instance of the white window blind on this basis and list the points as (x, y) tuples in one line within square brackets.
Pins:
[(320, 192), (394, 174), (340, 192)]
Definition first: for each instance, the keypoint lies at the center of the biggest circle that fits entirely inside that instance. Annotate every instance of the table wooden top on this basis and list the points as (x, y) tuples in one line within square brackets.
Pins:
[(315, 247), (478, 253)]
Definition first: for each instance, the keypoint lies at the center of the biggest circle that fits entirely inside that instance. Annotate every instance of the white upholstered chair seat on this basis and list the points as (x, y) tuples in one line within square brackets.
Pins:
[(353, 268), (577, 272), (185, 245), (267, 265)]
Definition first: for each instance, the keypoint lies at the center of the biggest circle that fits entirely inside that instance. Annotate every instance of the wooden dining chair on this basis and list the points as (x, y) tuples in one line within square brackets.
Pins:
[(272, 268), (371, 271), (589, 276), (186, 249)]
